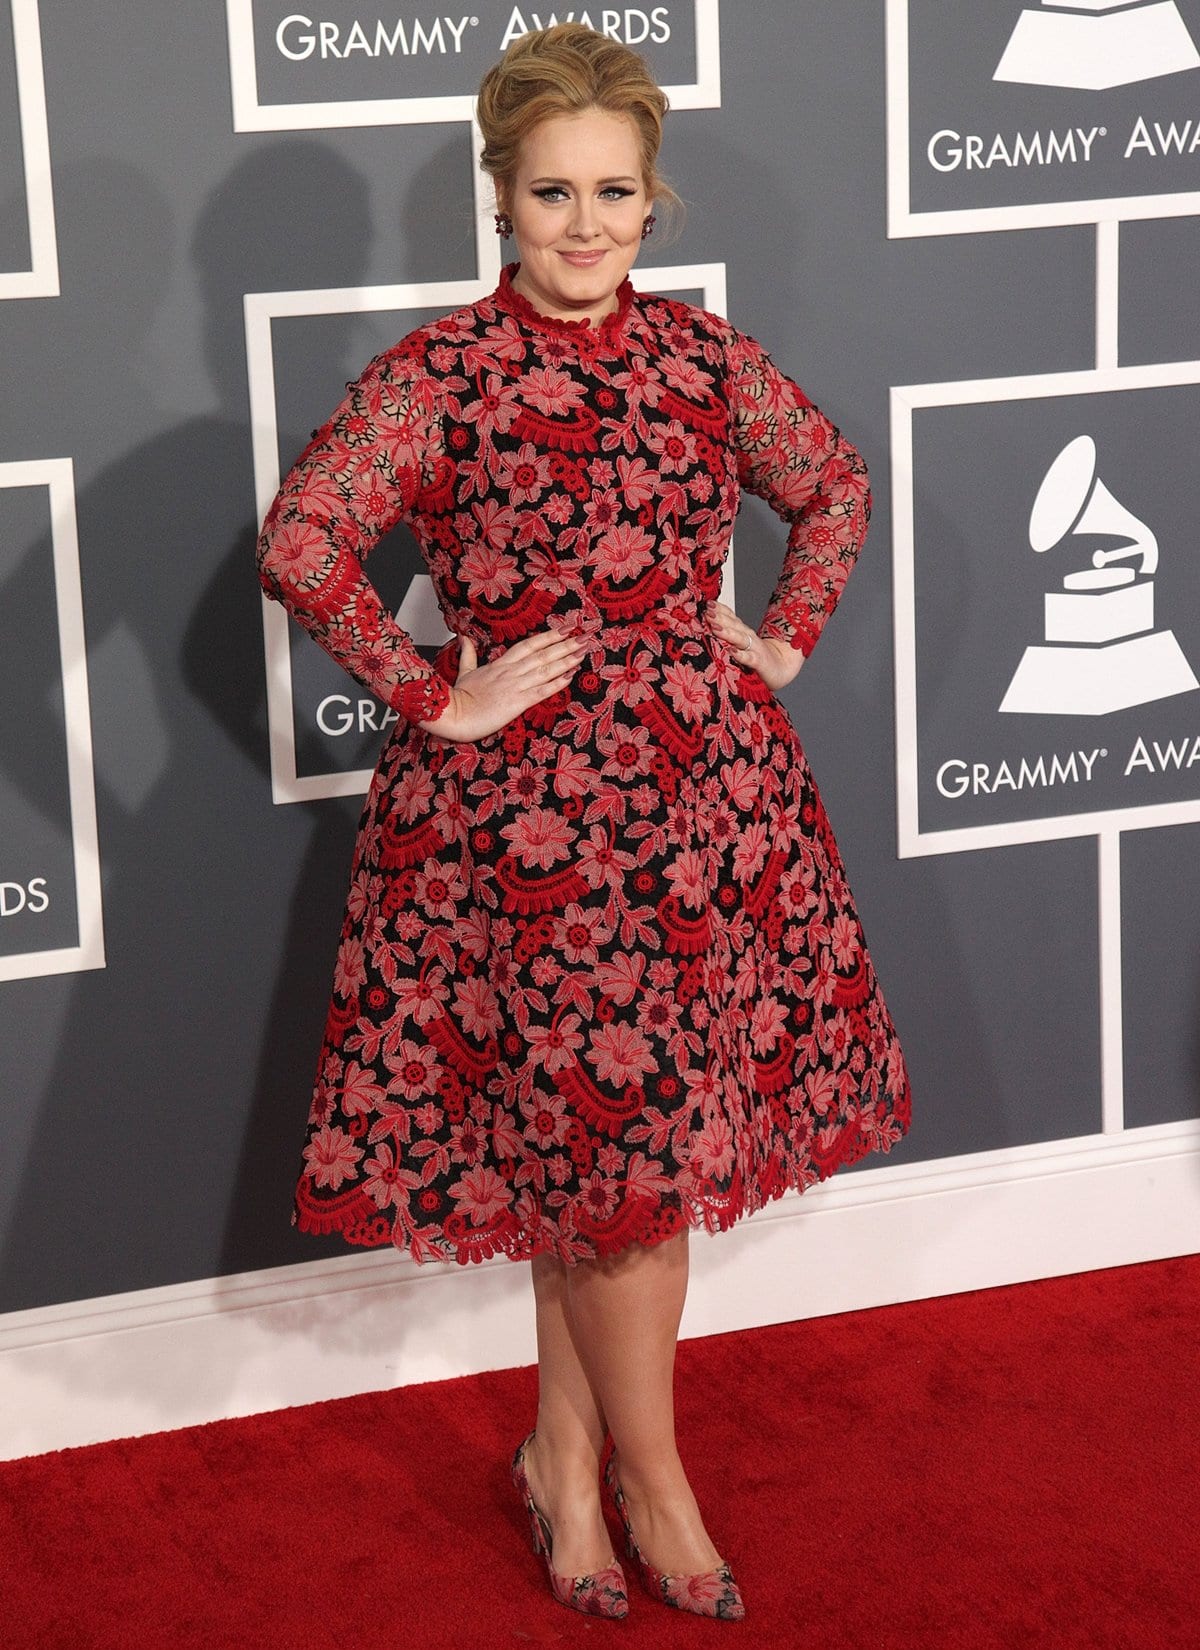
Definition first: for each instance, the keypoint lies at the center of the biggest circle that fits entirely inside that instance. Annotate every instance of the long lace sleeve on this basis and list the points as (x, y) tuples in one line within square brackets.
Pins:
[(791, 455), (359, 475)]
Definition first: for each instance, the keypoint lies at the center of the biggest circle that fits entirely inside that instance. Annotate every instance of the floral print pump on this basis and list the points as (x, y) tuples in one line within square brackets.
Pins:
[(712, 1593), (600, 1594)]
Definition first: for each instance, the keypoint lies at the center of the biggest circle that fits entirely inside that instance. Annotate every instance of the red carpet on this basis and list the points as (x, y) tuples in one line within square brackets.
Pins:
[(1007, 1468)]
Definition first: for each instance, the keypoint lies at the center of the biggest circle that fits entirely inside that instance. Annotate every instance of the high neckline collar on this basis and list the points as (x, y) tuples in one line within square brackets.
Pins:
[(506, 297)]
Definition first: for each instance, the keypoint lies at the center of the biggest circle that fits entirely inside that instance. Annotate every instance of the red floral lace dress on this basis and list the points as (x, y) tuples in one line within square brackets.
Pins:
[(600, 972)]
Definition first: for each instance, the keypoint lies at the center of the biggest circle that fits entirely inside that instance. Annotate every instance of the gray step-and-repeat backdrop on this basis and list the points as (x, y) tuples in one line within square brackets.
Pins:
[(968, 227)]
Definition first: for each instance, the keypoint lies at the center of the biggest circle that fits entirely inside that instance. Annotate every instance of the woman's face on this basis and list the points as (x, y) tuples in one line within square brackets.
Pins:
[(577, 205)]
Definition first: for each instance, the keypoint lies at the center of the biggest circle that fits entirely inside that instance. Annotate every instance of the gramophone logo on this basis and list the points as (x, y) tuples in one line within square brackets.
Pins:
[(1094, 45), (1101, 651)]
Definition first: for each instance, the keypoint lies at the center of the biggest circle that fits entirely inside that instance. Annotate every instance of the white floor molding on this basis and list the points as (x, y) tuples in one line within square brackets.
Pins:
[(156, 1359)]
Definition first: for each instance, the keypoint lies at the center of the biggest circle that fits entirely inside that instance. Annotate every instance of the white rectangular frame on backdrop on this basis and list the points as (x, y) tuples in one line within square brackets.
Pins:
[(57, 476), (903, 222), (40, 280), (261, 309), (905, 400), (249, 115)]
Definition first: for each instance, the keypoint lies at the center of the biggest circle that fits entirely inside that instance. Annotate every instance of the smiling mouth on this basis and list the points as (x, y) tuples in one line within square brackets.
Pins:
[(583, 259)]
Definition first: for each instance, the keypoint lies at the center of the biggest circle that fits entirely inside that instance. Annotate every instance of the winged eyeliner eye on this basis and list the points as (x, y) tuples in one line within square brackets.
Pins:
[(556, 189)]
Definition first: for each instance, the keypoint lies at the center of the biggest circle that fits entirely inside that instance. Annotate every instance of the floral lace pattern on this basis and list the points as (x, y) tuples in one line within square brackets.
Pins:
[(600, 972)]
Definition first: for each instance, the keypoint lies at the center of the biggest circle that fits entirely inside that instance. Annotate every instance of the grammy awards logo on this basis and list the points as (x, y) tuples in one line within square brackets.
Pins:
[(1101, 651), (1094, 45)]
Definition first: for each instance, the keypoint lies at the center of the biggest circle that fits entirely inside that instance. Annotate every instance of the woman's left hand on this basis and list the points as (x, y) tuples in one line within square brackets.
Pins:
[(775, 661)]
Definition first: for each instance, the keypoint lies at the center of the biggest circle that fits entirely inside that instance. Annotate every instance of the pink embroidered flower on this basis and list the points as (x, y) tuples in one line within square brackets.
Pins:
[(546, 1120), (551, 390), (438, 888), (690, 875), (686, 376), (423, 997), (598, 1195), (707, 1589), (319, 495), (621, 1054), (300, 549), (350, 969), (539, 837), (623, 552), (489, 572), (627, 752), (331, 1157), (495, 411), (687, 690), (384, 1180), (712, 1150), (578, 932), (323, 1103), (845, 941), (638, 482), (468, 1141), (481, 1193), (525, 784), (659, 1014), (524, 475), (556, 1045), (750, 852), (675, 446), (477, 1007), (820, 1091), (414, 1067)]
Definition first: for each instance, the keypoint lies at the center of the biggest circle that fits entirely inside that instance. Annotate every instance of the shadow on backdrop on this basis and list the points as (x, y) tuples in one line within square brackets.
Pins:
[(168, 1136)]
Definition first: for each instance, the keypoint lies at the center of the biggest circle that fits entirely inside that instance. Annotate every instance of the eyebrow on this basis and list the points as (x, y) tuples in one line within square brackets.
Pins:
[(604, 182)]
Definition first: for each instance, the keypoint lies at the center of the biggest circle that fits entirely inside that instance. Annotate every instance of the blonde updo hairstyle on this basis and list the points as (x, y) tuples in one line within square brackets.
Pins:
[(564, 70)]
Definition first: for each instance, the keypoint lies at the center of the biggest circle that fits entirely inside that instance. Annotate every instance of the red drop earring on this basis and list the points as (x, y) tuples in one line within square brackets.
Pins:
[(504, 224), (648, 223)]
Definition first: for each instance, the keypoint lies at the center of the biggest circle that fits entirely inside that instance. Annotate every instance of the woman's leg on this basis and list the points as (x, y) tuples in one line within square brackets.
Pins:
[(624, 1314), (563, 1461)]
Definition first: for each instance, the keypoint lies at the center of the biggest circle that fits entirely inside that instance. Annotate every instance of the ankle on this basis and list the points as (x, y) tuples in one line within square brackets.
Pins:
[(652, 1483), (562, 1460)]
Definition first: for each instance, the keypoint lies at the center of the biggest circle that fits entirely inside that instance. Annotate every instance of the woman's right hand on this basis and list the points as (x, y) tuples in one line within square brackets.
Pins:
[(483, 698)]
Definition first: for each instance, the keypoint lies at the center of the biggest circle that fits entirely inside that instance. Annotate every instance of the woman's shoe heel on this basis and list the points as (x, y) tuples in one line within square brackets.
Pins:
[(711, 1593), (602, 1593)]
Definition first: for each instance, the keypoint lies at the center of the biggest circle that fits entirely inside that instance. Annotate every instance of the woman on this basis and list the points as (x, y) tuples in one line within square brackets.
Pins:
[(601, 978)]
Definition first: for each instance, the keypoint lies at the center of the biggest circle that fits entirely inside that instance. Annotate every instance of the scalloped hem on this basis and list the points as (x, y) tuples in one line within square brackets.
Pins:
[(505, 1238)]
